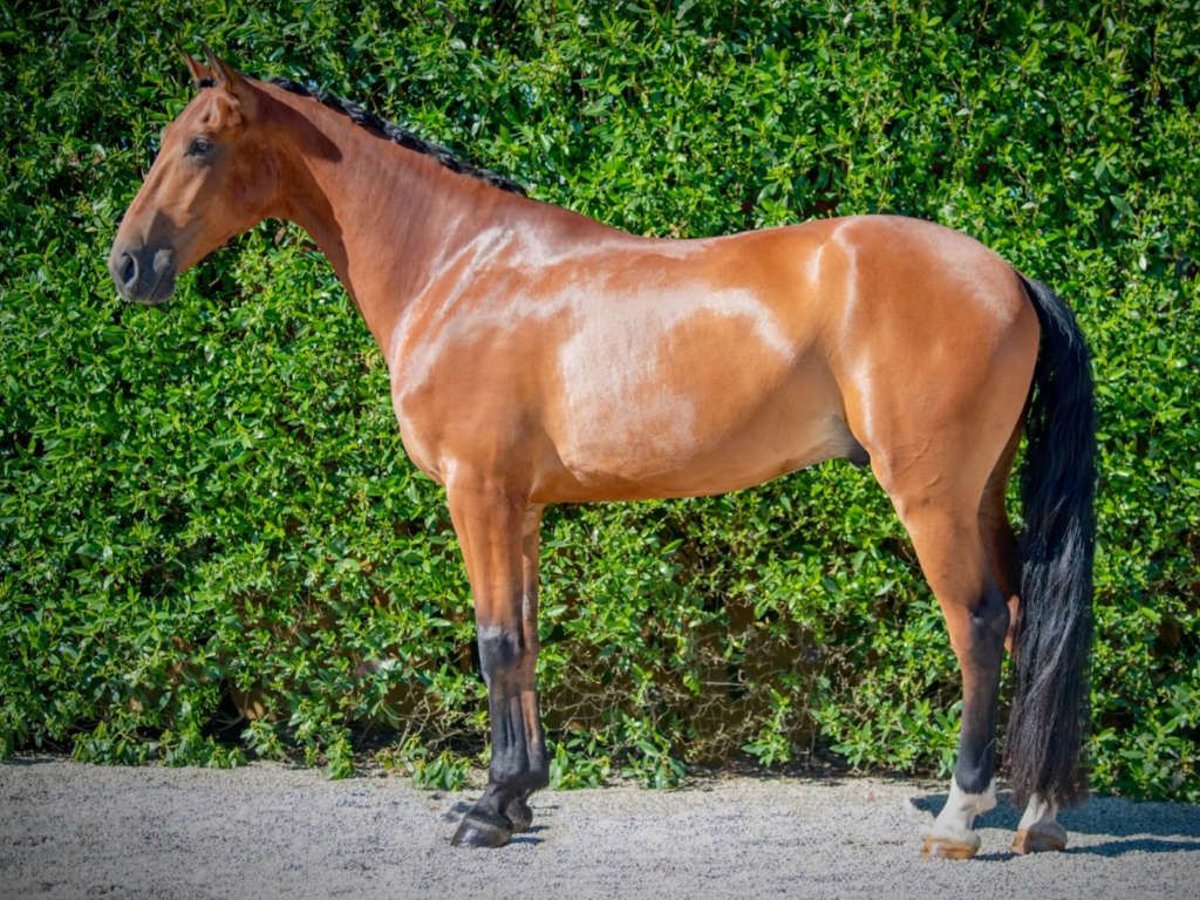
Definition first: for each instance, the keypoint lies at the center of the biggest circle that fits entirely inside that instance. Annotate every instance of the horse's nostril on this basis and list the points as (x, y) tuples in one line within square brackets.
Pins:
[(129, 269)]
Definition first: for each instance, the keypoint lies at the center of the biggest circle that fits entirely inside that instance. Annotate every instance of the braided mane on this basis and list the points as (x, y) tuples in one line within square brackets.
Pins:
[(394, 133)]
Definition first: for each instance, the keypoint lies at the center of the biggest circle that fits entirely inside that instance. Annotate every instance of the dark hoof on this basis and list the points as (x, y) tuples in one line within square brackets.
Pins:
[(482, 830), (519, 814)]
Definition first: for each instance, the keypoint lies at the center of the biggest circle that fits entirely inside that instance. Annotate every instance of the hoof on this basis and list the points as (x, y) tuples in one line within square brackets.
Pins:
[(949, 848), (1040, 840), (482, 830), (519, 814)]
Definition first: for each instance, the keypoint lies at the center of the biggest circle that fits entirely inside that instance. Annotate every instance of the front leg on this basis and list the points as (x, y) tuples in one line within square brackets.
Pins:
[(497, 530), (518, 810)]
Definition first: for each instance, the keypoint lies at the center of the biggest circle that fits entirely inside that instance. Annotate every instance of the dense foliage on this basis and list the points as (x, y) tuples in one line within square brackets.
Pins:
[(212, 545)]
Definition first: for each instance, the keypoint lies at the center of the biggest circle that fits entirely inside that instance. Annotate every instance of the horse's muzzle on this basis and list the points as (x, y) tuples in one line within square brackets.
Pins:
[(143, 274)]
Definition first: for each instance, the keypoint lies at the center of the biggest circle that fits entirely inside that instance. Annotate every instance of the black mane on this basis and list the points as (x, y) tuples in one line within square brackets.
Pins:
[(401, 136)]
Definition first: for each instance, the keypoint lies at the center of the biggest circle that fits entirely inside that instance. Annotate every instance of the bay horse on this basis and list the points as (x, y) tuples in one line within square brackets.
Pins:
[(537, 356)]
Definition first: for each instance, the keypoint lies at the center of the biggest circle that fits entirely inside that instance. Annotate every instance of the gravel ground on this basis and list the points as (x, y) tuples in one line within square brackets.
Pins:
[(72, 830)]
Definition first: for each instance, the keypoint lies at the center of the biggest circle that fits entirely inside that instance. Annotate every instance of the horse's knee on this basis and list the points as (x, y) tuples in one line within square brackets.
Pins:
[(502, 653)]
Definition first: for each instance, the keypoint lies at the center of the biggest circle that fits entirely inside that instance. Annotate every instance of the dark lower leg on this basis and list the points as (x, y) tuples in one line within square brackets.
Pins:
[(519, 765), (518, 768), (986, 626), (518, 748)]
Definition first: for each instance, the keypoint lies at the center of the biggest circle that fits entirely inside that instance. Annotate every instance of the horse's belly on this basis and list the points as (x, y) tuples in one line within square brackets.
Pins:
[(739, 432)]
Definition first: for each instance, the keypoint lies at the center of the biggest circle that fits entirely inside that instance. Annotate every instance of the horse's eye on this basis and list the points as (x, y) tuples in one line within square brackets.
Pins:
[(199, 147)]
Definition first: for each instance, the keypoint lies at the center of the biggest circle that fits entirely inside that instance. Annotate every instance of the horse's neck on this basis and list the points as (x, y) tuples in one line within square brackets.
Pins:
[(387, 218)]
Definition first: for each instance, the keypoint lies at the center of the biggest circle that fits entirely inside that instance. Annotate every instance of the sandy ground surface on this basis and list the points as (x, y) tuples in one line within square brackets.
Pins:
[(71, 830)]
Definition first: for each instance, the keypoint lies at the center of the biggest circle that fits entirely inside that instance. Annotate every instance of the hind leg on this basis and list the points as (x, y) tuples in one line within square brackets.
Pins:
[(937, 494), (952, 555), (1039, 829), (935, 374)]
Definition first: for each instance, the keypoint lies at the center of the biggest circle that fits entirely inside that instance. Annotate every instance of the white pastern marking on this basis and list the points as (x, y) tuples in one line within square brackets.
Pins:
[(956, 821), (1039, 812)]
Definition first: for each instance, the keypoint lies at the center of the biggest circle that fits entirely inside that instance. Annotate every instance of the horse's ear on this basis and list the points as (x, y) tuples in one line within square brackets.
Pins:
[(224, 74), (238, 99), (200, 75)]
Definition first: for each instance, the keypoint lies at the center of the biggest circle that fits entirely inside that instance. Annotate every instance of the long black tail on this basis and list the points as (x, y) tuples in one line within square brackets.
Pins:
[(1050, 716)]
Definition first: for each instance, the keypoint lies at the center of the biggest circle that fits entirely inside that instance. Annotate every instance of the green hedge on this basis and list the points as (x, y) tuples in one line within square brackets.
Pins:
[(205, 509)]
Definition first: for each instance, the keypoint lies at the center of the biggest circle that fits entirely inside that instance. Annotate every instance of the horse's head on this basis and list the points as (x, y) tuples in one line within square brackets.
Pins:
[(213, 179)]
